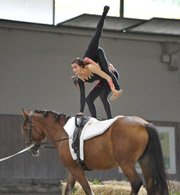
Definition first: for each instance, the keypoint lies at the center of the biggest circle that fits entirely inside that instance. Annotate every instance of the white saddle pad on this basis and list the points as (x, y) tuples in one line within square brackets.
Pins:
[(92, 128)]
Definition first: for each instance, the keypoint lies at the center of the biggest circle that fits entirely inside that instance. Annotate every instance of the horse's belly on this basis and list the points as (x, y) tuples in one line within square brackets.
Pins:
[(99, 154)]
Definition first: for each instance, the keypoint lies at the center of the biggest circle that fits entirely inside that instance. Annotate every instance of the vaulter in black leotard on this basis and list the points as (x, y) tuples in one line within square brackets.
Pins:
[(89, 71)]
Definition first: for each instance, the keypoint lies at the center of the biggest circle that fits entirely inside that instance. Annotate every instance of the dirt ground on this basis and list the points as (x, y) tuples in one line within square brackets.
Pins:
[(31, 189)]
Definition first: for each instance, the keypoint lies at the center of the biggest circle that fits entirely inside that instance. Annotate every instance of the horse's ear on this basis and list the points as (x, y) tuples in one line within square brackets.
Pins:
[(25, 114)]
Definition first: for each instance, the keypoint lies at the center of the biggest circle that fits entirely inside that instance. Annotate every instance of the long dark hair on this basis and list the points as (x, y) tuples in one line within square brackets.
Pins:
[(79, 61), (75, 80)]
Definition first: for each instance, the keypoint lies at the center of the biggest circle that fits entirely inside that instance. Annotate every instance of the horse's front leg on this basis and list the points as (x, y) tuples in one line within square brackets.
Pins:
[(79, 175), (70, 184)]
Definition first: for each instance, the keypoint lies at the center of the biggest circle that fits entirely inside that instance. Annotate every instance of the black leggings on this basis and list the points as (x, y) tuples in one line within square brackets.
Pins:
[(105, 67), (102, 90), (96, 53), (92, 50)]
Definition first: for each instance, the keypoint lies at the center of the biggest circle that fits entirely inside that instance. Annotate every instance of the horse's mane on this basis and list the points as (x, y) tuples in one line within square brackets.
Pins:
[(56, 114)]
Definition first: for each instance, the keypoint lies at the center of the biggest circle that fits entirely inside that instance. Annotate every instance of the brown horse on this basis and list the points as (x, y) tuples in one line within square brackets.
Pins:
[(128, 140)]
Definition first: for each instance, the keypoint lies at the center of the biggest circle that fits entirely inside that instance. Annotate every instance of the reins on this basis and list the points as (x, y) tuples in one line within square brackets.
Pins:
[(44, 144)]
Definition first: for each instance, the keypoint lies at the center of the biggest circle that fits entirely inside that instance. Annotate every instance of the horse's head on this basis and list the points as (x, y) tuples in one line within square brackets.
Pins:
[(34, 132)]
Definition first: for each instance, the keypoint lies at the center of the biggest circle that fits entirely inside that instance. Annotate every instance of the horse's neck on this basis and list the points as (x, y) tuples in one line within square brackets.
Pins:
[(55, 130), (63, 121)]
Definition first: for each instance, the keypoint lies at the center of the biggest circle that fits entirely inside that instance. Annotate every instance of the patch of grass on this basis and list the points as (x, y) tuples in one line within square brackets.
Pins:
[(96, 182), (75, 190)]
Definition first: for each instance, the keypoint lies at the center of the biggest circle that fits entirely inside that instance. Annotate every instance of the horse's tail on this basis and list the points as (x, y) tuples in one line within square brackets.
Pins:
[(157, 163)]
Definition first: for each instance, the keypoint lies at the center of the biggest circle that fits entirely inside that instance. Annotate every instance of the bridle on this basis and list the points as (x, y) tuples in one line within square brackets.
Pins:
[(32, 147), (29, 130), (33, 128)]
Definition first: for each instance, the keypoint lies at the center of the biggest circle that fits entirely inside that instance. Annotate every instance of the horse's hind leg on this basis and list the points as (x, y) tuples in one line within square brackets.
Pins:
[(70, 184), (145, 166), (133, 177)]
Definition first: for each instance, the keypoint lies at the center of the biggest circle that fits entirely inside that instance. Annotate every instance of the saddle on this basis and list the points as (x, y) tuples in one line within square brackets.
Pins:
[(80, 121)]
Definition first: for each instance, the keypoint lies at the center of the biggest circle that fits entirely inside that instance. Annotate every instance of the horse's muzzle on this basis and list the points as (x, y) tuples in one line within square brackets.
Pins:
[(34, 151)]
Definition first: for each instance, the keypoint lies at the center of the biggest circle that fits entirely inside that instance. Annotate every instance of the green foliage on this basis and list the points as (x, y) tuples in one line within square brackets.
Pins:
[(96, 181), (175, 194), (74, 190)]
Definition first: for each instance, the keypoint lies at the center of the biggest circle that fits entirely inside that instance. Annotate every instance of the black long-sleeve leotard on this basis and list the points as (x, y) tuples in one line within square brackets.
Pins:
[(93, 78)]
